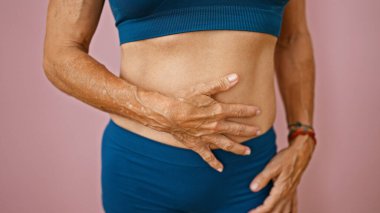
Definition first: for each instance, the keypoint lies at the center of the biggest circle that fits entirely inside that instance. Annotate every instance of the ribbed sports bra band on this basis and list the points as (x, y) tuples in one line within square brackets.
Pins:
[(143, 19)]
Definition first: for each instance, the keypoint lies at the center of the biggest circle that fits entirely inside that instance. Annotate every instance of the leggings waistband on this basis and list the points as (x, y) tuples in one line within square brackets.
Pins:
[(142, 145)]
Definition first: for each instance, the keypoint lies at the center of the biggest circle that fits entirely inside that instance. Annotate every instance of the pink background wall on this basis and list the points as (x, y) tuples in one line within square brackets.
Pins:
[(50, 142)]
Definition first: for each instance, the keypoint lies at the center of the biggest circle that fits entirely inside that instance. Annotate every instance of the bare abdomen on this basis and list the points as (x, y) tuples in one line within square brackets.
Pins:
[(167, 64)]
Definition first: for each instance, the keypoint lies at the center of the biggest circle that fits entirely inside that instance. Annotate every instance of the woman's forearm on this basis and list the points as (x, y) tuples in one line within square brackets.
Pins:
[(79, 75), (295, 70)]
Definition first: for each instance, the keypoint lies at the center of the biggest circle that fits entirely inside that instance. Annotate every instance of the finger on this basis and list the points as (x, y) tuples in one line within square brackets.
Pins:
[(270, 202), (233, 128), (277, 194), (207, 155), (236, 110), (263, 178), (215, 86), (227, 144)]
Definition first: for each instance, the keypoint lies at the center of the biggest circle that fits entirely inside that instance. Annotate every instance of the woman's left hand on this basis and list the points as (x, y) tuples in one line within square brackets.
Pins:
[(285, 169)]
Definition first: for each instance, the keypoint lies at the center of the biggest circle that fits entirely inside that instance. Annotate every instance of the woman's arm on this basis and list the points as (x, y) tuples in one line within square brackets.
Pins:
[(295, 66), (193, 117), (70, 27), (295, 70)]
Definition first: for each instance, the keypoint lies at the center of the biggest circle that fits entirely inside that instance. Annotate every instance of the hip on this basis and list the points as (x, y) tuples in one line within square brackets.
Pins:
[(136, 169)]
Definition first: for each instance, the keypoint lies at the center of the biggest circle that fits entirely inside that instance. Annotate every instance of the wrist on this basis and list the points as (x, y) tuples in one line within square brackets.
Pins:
[(301, 136), (153, 109), (298, 128), (150, 100), (303, 142), (302, 148)]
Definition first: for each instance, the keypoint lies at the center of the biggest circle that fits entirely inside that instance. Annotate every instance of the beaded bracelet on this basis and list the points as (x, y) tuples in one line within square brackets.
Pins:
[(299, 125), (299, 128)]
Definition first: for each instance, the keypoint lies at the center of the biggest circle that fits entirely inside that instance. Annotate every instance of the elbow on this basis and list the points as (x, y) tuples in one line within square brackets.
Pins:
[(59, 66), (49, 58), (48, 64), (53, 60), (56, 56), (52, 64), (53, 57)]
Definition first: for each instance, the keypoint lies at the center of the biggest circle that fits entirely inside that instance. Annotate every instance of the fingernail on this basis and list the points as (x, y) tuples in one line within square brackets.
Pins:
[(254, 186), (220, 169), (247, 151), (258, 112), (232, 77), (258, 132)]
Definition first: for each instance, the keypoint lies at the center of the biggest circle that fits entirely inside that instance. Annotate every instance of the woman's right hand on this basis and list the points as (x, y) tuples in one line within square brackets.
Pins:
[(197, 120)]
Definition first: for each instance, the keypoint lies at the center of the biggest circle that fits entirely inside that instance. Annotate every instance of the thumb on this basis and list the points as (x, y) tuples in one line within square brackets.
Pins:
[(219, 85), (263, 178)]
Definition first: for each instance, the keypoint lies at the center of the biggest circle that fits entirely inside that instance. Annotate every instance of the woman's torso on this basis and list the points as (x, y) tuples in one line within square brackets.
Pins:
[(169, 63)]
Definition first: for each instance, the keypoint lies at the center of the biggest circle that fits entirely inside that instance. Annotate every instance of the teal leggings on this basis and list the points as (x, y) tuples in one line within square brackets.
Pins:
[(140, 175)]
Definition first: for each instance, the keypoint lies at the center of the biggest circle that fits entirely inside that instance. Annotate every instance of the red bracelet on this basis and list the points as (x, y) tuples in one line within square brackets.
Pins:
[(301, 131)]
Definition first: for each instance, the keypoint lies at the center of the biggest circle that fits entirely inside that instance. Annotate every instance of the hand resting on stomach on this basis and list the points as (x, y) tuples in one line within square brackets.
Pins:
[(178, 63)]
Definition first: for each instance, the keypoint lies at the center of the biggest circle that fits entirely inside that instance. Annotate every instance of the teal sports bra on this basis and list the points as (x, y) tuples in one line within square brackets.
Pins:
[(142, 19)]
